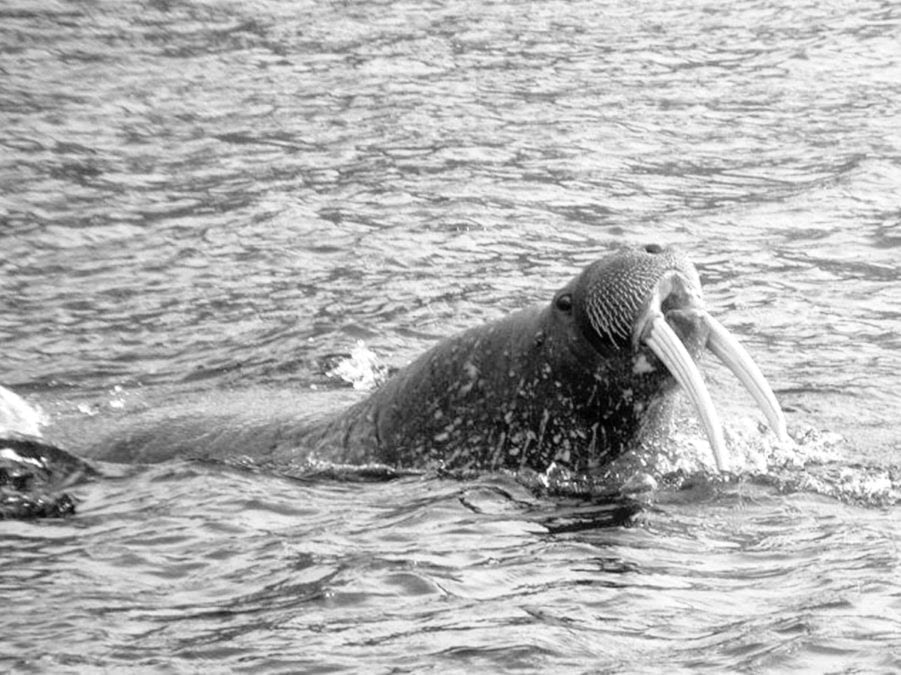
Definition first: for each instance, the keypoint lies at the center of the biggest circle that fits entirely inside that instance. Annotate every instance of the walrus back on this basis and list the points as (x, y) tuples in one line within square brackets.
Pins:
[(479, 399)]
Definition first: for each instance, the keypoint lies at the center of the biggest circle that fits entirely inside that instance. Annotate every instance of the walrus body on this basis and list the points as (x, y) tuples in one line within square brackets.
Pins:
[(555, 384), (569, 383), (527, 390)]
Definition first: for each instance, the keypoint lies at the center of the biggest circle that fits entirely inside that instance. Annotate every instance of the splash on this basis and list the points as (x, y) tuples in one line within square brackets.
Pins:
[(675, 458), (363, 369), (17, 416)]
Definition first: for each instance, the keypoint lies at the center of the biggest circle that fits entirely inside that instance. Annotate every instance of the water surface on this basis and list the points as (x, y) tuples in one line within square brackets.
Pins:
[(204, 204)]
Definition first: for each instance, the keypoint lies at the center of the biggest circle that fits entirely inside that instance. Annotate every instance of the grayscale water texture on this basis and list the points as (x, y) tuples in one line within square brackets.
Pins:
[(204, 204)]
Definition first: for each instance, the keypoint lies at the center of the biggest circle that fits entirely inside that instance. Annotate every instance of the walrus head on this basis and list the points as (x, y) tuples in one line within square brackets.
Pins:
[(648, 301)]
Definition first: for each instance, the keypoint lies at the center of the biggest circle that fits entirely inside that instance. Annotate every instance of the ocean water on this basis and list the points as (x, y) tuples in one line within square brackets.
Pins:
[(204, 206)]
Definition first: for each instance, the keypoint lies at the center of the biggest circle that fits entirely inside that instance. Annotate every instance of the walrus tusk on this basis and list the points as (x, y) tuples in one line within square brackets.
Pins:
[(664, 342), (729, 350)]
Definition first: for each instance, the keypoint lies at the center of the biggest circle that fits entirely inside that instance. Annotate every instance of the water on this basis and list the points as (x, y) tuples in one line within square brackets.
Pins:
[(204, 205)]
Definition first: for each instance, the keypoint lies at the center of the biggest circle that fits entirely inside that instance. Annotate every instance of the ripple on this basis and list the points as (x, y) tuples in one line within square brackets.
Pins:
[(208, 198)]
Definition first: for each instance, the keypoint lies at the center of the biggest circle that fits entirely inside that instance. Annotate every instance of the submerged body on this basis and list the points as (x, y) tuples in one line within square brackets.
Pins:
[(570, 383)]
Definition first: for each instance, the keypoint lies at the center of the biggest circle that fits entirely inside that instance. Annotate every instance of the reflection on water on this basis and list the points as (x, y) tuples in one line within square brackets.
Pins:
[(205, 197)]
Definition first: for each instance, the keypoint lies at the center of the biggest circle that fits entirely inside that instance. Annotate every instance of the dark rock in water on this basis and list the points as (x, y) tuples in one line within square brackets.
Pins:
[(25, 506), (33, 476)]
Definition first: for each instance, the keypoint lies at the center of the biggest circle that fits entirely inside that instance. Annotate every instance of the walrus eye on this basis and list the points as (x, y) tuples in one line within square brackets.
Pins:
[(565, 303)]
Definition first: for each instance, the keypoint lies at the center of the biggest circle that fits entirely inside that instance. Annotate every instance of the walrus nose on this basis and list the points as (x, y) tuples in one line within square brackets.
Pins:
[(653, 248)]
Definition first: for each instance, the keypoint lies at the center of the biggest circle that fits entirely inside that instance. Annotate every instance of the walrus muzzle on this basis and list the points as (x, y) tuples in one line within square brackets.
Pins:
[(678, 295)]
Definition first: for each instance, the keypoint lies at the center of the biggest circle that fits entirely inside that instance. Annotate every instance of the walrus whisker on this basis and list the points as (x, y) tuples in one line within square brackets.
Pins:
[(664, 342), (730, 351)]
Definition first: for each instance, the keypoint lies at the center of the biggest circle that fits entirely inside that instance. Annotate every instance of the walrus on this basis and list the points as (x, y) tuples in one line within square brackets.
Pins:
[(566, 384)]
